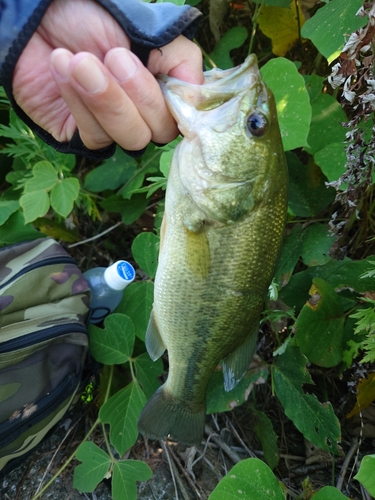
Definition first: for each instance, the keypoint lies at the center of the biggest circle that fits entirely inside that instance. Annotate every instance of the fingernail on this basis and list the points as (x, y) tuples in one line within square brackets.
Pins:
[(90, 76), (121, 64), (60, 60)]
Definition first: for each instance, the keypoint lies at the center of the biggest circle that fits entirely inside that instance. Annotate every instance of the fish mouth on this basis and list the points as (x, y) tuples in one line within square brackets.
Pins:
[(219, 86)]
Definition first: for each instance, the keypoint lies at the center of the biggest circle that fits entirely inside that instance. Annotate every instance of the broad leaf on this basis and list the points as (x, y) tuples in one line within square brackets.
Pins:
[(332, 160), (112, 174), (232, 39), (317, 421), (320, 326), (44, 177), (307, 193), (329, 493), (145, 249), (326, 29), (267, 436), (93, 469), (147, 373), (125, 475), (7, 208), (325, 127), (63, 195), (366, 474), (292, 101), (314, 85), (338, 273), (365, 394), (14, 230), (316, 244), (113, 344), (34, 205), (218, 400), (249, 479), (282, 26), (291, 251), (137, 304), (121, 412)]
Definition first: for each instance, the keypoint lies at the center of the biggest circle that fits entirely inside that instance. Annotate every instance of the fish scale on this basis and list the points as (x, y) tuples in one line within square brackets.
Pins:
[(220, 240)]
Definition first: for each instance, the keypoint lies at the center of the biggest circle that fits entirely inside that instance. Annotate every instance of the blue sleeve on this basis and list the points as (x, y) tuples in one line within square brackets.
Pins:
[(149, 26)]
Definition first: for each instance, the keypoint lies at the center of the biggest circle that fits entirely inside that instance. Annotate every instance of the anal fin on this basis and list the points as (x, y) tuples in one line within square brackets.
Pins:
[(154, 343), (237, 362)]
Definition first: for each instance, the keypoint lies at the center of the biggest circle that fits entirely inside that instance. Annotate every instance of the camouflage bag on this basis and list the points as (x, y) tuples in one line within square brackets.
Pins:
[(44, 301)]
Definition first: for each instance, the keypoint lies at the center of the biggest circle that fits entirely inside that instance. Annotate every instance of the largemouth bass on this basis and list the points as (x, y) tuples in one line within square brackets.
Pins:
[(221, 234)]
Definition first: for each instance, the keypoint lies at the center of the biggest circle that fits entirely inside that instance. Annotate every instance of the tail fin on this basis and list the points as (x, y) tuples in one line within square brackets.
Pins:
[(163, 416)]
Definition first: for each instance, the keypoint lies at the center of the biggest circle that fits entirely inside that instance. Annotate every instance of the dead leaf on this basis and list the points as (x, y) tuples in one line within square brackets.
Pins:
[(281, 25)]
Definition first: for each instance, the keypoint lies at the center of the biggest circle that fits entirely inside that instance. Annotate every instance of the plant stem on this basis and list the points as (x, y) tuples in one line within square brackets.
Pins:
[(97, 422), (254, 21), (67, 462)]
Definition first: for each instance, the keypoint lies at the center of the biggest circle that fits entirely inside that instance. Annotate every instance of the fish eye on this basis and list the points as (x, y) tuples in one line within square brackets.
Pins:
[(257, 124)]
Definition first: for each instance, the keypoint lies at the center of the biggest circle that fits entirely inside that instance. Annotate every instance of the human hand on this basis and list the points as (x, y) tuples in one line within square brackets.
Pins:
[(77, 71)]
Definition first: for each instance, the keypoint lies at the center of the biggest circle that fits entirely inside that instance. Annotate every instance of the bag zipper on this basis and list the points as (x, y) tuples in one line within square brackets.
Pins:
[(11, 429), (39, 336), (46, 262)]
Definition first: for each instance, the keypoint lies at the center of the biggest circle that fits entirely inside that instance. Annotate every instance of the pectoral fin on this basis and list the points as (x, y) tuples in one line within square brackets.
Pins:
[(154, 343), (237, 362)]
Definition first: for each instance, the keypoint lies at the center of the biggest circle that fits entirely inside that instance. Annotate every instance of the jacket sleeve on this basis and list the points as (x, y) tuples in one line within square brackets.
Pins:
[(149, 26)]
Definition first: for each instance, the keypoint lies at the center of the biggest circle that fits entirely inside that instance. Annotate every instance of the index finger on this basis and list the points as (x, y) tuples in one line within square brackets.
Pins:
[(181, 59)]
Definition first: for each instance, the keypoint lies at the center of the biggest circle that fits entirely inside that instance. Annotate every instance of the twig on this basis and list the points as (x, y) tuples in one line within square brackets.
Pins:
[(198, 494), (162, 444), (53, 458), (231, 454), (346, 463), (93, 238), (239, 439)]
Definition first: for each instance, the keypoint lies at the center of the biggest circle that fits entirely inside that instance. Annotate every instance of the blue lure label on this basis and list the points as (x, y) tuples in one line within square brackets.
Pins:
[(126, 271)]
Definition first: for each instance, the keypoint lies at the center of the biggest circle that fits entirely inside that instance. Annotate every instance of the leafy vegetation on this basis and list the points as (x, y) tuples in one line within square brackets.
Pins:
[(320, 323)]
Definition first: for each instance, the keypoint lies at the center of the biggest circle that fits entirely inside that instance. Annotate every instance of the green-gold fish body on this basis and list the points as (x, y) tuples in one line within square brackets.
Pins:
[(221, 235)]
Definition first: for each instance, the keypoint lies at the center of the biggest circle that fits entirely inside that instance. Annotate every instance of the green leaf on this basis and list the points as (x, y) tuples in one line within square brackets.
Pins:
[(145, 249), (249, 479), (366, 474), (218, 400), (314, 85), (291, 251), (166, 160), (93, 469), (232, 39), (329, 493), (137, 304), (292, 101), (132, 209), (147, 372), (326, 29), (64, 194), (315, 420), (44, 177), (114, 344), (7, 208), (267, 436), (307, 192), (34, 205), (114, 172), (14, 230), (325, 127), (317, 242), (125, 475), (121, 412), (338, 273), (332, 160), (320, 326)]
